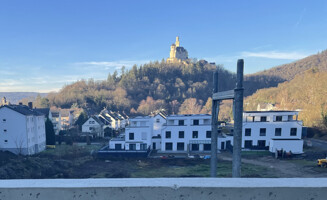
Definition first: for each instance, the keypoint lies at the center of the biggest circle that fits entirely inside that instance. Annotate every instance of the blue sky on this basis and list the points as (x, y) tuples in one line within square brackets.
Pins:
[(46, 44)]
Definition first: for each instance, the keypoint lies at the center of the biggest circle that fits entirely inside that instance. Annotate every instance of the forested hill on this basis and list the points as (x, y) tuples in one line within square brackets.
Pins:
[(307, 92), (289, 71), (279, 74), (178, 88), (146, 88)]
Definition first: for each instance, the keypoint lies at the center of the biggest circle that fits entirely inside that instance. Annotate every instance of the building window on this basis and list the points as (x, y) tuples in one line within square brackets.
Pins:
[(131, 136), (248, 144), (195, 134), (208, 134), (132, 147), (247, 132), (91, 122), (158, 120), (279, 118), (261, 143), (278, 131), (196, 122), (180, 146), (195, 147), (180, 122), (5, 130), (293, 131), (181, 134), (143, 146), (117, 146), (168, 134), (263, 119), (291, 118), (4, 120), (250, 118), (262, 132), (169, 146), (6, 141), (207, 147)]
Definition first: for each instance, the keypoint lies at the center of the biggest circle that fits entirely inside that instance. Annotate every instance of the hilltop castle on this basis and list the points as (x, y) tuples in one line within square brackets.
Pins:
[(177, 53)]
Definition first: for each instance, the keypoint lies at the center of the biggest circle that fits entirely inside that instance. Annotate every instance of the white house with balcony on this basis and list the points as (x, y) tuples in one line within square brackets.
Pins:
[(141, 133), (273, 130), (190, 133), (22, 130)]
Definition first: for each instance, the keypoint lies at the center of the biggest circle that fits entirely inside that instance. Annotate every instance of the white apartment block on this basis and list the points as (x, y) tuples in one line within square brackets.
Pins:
[(273, 130), (175, 133), (22, 130), (184, 133)]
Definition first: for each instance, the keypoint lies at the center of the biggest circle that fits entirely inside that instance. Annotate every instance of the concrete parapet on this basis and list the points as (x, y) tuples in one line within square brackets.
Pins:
[(166, 188)]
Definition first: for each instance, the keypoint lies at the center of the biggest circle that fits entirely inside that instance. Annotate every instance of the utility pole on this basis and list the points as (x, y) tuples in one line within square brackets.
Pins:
[(217, 97)]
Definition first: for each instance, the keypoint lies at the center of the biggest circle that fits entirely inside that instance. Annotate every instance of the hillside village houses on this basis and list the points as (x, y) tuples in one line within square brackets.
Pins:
[(117, 120), (106, 119), (273, 130), (22, 130)]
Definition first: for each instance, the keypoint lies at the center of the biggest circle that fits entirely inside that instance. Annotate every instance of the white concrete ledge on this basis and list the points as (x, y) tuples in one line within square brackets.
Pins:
[(165, 188)]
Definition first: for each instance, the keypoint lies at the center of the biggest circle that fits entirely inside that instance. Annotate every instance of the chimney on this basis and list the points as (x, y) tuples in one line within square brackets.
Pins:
[(20, 103), (30, 105)]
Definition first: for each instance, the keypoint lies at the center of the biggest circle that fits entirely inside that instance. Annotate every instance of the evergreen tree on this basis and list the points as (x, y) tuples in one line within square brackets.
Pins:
[(49, 131), (82, 118)]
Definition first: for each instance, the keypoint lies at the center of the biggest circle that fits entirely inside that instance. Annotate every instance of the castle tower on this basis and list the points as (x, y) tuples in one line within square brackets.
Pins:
[(172, 51), (177, 41)]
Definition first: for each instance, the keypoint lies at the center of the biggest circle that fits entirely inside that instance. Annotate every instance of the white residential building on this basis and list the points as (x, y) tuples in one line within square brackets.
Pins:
[(190, 133), (94, 126), (56, 120), (22, 130), (175, 133), (273, 130), (140, 134)]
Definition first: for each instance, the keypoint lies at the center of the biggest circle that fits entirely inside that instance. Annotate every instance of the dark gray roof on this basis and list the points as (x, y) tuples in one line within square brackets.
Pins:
[(97, 120), (24, 110), (45, 111), (106, 120)]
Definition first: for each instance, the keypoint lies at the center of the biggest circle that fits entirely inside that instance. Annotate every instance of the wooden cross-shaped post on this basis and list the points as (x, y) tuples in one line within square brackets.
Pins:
[(217, 97)]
